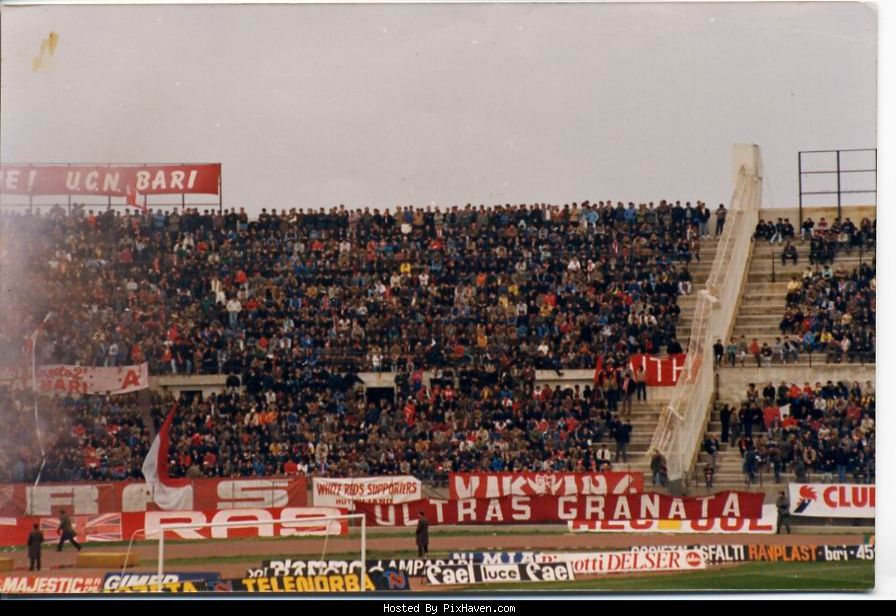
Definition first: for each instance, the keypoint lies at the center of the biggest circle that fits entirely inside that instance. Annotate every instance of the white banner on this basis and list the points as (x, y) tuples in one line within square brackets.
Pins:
[(31, 584), (329, 492), (61, 379), (832, 500), (594, 563), (470, 573), (767, 524)]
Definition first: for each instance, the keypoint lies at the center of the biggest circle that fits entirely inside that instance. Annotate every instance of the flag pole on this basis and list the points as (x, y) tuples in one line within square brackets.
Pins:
[(40, 443)]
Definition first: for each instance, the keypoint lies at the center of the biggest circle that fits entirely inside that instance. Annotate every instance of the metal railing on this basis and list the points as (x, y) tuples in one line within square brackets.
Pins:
[(838, 171), (820, 357), (683, 421)]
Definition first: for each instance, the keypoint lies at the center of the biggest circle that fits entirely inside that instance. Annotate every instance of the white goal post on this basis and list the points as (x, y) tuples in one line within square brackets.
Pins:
[(300, 522)]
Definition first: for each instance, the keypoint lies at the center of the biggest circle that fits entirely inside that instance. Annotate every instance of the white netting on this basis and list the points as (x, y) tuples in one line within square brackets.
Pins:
[(317, 533), (683, 421)]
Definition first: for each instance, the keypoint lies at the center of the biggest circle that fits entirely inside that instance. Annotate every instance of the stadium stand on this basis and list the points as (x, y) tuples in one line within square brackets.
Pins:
[(819, 432), (814, 317), (209, 293), (294, 304)]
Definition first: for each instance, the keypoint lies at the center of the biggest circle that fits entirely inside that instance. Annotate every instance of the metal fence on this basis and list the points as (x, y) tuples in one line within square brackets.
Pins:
[(684, 419)]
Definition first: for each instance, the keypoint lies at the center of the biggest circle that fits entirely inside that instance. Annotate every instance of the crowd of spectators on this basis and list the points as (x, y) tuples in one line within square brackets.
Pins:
[(825, 238), (833, 311), (822, 432), (195, 292), (783, 350), (292, 305), (483, 420), (84, 437)]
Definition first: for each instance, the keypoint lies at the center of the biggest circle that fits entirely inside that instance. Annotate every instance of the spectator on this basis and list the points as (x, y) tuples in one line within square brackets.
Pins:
[(718, 352), (725, 418), (742, 350), (711, 447), (658, 468), (623, 437), (789, 254), (731, 351), (756, 352), (604, 461), (709, 471), (777, 232), (783, 506), (627, 389), (752, 462), (721, 213), (640, 383)]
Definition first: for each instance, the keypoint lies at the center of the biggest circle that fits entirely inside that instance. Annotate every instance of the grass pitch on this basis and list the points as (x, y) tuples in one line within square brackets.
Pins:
[(855, 575)]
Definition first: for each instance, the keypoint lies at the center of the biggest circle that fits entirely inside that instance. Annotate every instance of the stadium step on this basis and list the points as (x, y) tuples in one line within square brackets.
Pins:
[(804, 361), (762, 309), (749, 320)]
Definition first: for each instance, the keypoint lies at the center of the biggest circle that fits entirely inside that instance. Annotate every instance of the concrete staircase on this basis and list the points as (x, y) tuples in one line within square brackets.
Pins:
[(645, 415), (759, 316), (644, 418), (729, 466), (729, 473), (765, 295)]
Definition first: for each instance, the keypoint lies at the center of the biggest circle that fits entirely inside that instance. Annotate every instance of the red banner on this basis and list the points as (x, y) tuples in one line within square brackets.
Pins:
[(548, 509), (496, 485), (49, 499), (265, 522), (658, 371), (110, 180)]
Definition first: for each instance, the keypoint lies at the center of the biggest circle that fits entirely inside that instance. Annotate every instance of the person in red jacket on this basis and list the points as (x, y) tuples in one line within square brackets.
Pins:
[(755, 350)]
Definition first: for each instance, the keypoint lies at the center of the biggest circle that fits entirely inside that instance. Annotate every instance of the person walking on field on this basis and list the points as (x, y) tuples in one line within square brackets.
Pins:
[(66, 532), (35, 543), (422, 535)]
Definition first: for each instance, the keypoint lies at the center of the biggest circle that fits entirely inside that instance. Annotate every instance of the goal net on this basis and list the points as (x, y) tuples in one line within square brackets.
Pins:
[(300, 548)]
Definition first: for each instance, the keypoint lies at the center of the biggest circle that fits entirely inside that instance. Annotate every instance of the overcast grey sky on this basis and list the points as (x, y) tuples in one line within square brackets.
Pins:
[(416, 104)]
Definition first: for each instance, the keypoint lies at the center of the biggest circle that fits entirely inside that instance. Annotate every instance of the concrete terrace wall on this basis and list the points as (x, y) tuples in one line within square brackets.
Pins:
[(215, 383), (854, 212), (176, 383), (733, 382), (584, 378)]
